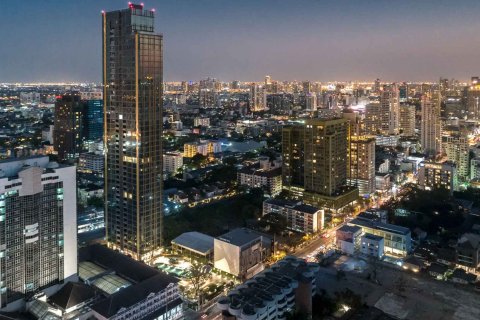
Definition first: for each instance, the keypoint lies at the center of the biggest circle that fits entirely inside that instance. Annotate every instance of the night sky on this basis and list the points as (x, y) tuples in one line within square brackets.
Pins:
[(60, 40)]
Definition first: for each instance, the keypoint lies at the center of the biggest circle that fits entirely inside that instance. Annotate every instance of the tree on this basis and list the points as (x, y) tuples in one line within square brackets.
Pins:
[(199, 160), (275, 221), (197, 275)]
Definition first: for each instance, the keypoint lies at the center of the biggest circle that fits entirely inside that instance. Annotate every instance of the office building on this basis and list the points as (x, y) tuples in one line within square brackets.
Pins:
[(361, 164), (300, 217), (434, 176), (372, 245), (457, 151), (38, 243), (315, 162), (285, 287), (172, 162), (348, 239), (397, 239), (430, 130), (407, 120), (241, 252), (68, 131), (93, 120), (133, 84)]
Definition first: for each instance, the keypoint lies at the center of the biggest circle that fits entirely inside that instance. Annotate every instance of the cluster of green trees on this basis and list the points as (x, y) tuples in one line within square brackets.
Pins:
[(216, 218)]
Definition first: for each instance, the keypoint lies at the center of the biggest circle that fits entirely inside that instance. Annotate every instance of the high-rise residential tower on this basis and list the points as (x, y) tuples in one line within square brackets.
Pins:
[(68, 129), (315, 159), (38, 228), (407, 120), (132, 77), (361, 163), (430, 131)]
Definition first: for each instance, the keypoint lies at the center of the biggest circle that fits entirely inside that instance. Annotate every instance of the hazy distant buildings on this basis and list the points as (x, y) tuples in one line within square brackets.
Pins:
[(258, 98), (132, 77), (38, 243)]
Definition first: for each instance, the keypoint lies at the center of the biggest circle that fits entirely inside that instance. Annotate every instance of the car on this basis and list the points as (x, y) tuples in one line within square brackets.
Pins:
[(204, 316)]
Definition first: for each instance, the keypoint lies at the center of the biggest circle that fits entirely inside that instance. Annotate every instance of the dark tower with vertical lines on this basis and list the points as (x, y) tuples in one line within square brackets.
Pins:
[(132, 77)]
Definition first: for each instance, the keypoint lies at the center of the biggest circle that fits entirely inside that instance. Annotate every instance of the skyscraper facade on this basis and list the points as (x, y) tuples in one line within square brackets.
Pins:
[(407, 120), (68, 126), (390, 110), (315, 158), (361, 164), (132, 77), (93, 120), (38, 243), (430, 131)]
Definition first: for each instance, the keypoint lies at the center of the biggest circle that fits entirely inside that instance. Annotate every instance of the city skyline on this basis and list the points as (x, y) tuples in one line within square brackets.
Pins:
[(346, 41)]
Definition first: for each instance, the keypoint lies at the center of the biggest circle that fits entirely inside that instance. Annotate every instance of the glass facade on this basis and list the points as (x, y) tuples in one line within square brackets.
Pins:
[(93, 124), (133, 71)]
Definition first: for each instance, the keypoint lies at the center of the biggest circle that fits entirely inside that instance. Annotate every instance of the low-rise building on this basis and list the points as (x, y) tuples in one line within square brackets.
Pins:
[(201, 122), (434, 176), (287, 286), (468, 251), (348, 238), (172, 161), (300, 217), (241, 252), (269, 180), (397, 239), (372, 245), (195, 245), (128, 289)]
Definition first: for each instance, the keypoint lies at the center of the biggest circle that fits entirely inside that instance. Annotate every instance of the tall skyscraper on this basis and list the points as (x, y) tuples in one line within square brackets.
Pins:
[(390, 110), (430, 131), (68, 130), (38, 228), (361, 163), (457, 151), (132, 77), (315, 162), (258, 98), (407, 120)]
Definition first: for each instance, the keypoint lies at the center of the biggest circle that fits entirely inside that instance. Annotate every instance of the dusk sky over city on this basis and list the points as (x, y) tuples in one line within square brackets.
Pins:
[(240, 159), (244, 40)]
